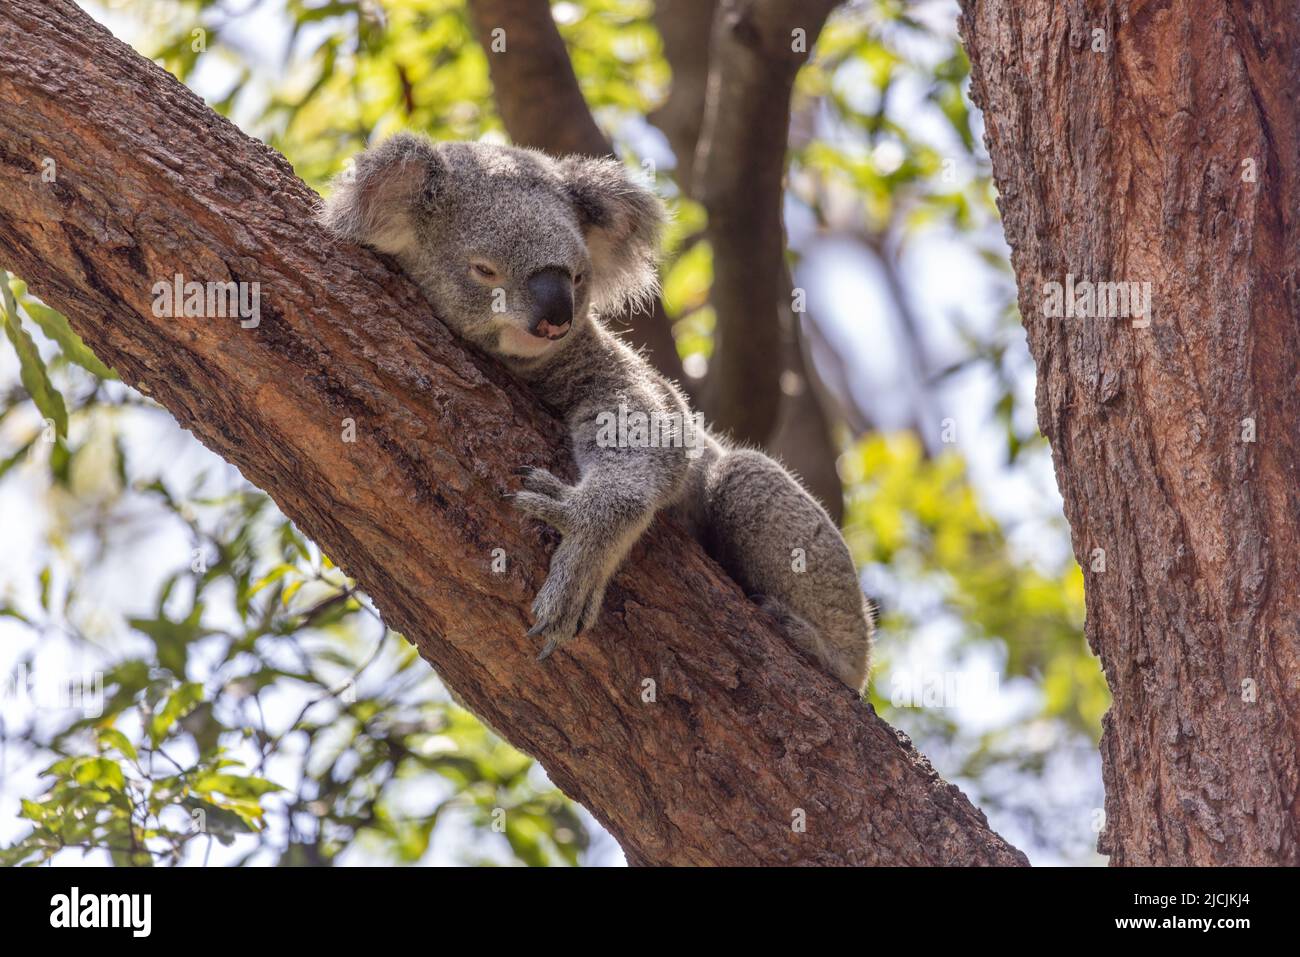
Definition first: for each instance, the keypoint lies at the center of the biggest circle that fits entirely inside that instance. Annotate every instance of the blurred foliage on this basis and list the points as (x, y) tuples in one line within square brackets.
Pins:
[(942, 559), (920, 518), (258, 704)]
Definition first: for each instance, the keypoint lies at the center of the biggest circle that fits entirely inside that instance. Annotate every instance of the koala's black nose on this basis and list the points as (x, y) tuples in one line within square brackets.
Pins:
[(551, 290)]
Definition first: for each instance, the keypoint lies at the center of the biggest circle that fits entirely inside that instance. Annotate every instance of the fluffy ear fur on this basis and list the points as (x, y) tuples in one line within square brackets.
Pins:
[(374, 202), (622, 223)]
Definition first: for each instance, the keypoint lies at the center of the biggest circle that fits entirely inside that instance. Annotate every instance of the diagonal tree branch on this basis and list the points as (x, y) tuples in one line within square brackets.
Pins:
[(740, 737)]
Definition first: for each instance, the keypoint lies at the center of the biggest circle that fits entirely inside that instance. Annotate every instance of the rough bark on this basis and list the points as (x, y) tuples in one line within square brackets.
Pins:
[(1160, 142), (742, 732), (542, 107)]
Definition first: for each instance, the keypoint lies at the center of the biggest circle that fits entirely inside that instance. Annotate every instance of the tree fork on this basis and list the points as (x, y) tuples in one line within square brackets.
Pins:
[(743, 732)]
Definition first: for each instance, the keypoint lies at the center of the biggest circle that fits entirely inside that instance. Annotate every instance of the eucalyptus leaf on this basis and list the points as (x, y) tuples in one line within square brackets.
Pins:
[(32, 372)]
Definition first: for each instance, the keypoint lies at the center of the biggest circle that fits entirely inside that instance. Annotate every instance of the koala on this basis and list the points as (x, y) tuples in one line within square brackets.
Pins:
[(521, 254)]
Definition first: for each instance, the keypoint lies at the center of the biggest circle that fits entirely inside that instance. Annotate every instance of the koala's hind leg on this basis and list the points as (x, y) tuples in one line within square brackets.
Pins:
[(783, 549)]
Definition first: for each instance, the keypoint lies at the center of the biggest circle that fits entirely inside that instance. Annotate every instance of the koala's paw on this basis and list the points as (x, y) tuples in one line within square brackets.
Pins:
[(544, 498), (564, 608)]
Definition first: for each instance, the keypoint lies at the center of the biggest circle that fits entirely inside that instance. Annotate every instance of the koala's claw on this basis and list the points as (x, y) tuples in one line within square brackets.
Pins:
[(544, 498), (552, 642), (538, 630), (556, 620), (544, 483), (562, 615)]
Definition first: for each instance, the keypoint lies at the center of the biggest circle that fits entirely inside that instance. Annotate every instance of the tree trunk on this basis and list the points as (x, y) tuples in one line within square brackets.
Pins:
[(1158, 142), (690, 729)]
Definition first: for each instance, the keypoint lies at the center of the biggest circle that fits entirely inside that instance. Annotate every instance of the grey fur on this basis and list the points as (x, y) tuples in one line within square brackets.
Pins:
[(519, 214)]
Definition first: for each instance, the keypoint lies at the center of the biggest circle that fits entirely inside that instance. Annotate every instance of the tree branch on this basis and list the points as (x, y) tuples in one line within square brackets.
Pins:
[(802, 436), (742, 735), (758, 47), (803, 439), (686, 27), (535, 88)]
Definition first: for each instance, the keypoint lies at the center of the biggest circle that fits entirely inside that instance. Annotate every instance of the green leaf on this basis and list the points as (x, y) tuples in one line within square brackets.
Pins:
[(274, 575), (44, 579), (172, 638), (19, 455), (235, 786), (55, 326), (101, 772), (180, 703), (32, 371), (221, 822), (116, 739)]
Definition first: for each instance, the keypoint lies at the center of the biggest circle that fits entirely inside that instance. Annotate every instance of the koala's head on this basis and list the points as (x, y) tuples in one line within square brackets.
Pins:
[(512, 247)]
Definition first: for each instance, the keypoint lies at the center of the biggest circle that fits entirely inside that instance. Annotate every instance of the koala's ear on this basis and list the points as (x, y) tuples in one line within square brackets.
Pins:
[(622, 223), (376, 200)]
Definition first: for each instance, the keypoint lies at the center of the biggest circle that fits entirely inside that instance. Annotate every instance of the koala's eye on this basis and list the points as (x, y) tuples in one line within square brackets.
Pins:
[(481, 270), (577, 280)]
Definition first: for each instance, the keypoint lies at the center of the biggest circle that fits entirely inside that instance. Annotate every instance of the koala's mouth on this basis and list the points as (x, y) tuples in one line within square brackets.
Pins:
[(520, 342), (547, 330)]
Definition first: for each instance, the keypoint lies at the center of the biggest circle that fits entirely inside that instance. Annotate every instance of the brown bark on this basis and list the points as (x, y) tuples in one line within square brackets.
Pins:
[(742, 732), (1124, 136)]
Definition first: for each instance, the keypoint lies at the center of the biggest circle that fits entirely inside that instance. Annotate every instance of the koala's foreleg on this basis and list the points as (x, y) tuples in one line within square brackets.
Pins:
[(600, 518)]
